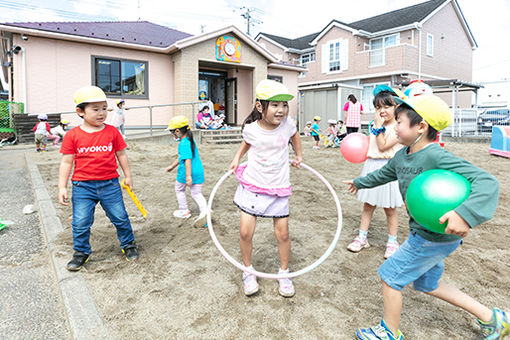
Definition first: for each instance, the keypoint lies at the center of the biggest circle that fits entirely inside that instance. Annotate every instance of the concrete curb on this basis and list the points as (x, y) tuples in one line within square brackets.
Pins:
[(84, 319)]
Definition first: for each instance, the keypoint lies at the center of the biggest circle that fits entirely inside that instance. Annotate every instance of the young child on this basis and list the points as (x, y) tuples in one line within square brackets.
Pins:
[(382, 146), (94, 147), (58, 132), (118, 118), (420, 259), (190, 171), (316, 131), (264, 187), (341, 130), (308, 129), (41, 130), (331, 133)]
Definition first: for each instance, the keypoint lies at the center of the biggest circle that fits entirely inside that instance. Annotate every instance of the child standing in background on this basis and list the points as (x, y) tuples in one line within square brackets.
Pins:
[(190, 171), (331, 133), (264, 183), (316, 131), (119, 119), (382, 146), (41, 130), (308, 129), (95, 147)]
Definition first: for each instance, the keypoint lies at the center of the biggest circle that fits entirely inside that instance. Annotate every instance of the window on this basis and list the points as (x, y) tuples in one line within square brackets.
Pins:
[(378, 48), (120, 77), (306, 58), (334, 56), (368, 97), (430, 45), (275, 78)]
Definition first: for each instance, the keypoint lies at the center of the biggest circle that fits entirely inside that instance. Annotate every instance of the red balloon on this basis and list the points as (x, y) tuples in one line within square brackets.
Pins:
[(354, 147)]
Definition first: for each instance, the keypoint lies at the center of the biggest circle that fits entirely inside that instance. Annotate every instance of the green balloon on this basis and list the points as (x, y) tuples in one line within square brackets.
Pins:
[(433, 193)]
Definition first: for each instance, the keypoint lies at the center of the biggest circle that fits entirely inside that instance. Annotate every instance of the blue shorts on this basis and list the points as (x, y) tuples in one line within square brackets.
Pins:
[(418, 261)]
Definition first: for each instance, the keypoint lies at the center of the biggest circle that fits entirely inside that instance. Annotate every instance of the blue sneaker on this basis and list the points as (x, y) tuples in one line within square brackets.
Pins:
[(498, 327), (378, 332)]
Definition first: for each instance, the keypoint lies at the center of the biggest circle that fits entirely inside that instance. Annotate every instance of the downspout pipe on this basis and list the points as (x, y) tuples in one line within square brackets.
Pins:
[(24, 73), (419, 28)]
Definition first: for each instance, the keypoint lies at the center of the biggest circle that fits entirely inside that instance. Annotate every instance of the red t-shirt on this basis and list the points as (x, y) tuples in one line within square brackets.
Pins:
[(94, 152)]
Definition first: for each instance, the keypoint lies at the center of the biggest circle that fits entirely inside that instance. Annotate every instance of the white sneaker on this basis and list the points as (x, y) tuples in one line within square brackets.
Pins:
[(286, 288), (358, 244), (250, 284), (182, 213), (391, 247)]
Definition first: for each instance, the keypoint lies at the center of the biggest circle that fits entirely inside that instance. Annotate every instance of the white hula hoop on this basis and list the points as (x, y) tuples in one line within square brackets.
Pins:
[(267, 275)]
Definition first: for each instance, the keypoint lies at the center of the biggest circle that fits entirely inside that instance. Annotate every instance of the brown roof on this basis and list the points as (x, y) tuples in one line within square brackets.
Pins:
[(134, 32)]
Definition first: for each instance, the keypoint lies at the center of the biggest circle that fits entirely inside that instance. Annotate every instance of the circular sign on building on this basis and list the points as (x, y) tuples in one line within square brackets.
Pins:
[(228, 48)]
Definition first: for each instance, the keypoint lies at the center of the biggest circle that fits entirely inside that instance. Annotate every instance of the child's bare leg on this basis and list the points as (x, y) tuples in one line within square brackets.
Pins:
[(366, 216), (392, 300), (246, 232), (392, 218), (281, 231), (457, 298)]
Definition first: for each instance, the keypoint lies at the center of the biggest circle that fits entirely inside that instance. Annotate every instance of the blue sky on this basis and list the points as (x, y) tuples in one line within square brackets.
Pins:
[(488, 20)]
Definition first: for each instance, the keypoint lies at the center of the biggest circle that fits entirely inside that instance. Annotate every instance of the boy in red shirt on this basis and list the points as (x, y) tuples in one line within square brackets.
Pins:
[(94, 147)]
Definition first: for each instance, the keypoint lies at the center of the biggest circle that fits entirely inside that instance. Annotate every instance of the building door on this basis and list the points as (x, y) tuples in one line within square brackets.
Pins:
[(231, 103)]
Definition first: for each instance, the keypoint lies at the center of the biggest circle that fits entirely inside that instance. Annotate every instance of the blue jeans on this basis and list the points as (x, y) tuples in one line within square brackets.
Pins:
[(86, 194), (417, 261), (121, 129)]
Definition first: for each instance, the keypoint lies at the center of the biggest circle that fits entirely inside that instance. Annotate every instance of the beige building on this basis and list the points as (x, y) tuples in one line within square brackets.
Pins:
[(141, 62), (429, 41)]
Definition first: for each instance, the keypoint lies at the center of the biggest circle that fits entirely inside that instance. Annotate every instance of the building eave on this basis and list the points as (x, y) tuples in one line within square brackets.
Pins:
[(287, 67), (367, 76), (81, 39)]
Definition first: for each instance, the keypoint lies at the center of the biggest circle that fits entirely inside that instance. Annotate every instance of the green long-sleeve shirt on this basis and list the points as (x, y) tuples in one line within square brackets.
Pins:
[(476, 209)]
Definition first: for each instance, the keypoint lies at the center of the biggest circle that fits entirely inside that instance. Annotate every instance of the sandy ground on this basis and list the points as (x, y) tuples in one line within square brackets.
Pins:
[(182, 288)]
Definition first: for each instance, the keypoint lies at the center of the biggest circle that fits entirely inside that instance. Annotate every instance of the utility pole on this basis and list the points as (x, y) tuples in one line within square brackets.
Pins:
[(250, 20), (202, 28), (139, 14)]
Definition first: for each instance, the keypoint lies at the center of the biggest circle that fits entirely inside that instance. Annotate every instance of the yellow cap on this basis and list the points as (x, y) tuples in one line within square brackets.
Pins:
[(273, 91), (178, 122), (65, 122), (89, 94), (431, 108), (316, 118), (119, 101)]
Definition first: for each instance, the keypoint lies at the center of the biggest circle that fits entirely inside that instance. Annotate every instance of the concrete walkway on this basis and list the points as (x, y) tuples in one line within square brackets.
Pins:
[(31, 306), (40, 298)]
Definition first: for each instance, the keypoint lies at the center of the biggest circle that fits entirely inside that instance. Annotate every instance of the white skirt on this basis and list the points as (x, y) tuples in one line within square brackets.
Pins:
[(384, 196)]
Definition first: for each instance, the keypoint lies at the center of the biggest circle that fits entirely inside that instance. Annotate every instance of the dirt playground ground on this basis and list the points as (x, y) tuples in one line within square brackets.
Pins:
[(182, 288)]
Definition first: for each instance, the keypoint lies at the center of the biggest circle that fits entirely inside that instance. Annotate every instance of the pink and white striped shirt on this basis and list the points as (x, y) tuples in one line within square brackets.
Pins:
[(353, 114)]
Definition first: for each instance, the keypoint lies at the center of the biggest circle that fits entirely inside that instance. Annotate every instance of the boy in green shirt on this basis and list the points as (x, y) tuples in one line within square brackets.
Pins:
[(420, 259)]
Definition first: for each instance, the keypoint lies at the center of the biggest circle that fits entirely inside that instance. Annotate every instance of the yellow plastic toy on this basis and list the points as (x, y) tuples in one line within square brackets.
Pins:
[(134, 198)]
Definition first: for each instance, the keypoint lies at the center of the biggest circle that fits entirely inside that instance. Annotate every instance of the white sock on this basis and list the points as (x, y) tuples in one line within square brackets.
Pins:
[(392, 238), (363, 234)]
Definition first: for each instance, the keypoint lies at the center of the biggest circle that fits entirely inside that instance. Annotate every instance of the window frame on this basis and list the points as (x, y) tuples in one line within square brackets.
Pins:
[(430, 45), (311, 58), (336, 53), (95, 58), (383, 48)]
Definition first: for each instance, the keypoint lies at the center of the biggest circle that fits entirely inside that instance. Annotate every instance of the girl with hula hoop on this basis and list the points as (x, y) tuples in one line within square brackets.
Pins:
[(264, 184)]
